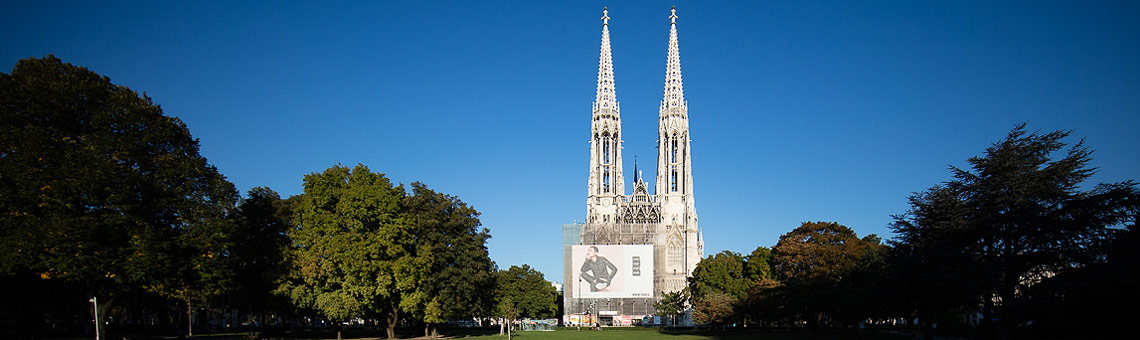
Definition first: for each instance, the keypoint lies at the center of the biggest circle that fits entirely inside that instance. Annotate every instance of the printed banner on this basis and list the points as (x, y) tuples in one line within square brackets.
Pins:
[(612, 271)]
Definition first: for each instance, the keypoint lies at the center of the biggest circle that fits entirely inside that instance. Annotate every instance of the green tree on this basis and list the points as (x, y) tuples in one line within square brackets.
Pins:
[(818, 251), (671, 304), (524, 292), (1016, 217), (721, 280), (755, 306), (101, 189), (723, 272), (815, 262), (352, 248), (758, 265), (461, 278), (257, 248), (716, 308)]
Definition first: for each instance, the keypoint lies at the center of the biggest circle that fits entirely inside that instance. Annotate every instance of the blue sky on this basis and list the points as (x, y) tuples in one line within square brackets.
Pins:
[(799, 111)]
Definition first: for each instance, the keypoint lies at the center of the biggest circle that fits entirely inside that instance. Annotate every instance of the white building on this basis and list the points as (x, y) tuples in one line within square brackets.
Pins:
[(629, 230)]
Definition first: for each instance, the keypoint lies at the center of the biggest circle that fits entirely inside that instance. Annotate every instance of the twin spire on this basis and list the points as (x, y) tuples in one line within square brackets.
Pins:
[(673, 173), (674, 88)]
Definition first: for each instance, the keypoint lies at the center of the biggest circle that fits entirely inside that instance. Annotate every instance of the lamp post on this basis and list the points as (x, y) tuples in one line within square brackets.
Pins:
[(95, 303), (579, 297)]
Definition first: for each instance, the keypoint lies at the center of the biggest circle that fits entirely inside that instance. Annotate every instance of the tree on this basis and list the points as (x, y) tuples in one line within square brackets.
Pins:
[(721, 280), (758, 265), (672, 304), (101, 189), (1016, 217), (818, 251), (461, 278), (815, 262), (352, 248), (723, 272), (1085, 302), (755, 306), (716, 308), (524, 292), (257, 249)]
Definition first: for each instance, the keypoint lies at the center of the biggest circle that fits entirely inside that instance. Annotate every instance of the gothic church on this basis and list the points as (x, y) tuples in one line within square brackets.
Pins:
[(665, 219)]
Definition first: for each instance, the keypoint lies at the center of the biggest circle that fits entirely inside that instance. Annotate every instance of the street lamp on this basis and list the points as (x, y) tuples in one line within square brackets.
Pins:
[(95, 303)]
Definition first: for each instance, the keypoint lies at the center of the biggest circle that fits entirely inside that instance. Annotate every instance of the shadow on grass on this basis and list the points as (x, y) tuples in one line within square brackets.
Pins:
[(566, 333)]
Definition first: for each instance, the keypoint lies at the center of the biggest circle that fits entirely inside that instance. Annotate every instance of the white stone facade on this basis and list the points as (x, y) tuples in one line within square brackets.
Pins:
[(667, 218)]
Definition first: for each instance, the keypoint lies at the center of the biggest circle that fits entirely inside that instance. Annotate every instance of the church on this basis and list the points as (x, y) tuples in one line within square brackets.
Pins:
[(633, 248)]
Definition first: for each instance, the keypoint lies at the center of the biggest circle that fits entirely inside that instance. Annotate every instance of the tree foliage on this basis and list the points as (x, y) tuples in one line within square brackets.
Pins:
[(460, 280), (823, 266), (672, 304), (1015, 217), (728, 287), (716, 308), (720, 273), (352, 247), (101, 189), (818, 251), (527, 291), (258, 246)]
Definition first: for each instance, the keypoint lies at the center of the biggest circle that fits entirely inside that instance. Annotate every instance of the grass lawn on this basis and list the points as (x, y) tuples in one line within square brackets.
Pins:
[(644, 333), (631, 333)]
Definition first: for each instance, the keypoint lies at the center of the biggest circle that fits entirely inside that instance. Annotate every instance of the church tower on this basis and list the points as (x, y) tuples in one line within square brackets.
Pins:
[(635, 248), (606, 185), (684, 246)]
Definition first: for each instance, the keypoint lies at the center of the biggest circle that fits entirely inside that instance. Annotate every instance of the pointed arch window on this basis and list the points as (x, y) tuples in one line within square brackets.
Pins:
[(675, 252)]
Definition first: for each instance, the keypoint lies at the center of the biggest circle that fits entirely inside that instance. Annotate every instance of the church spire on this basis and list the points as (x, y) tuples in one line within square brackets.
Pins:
[(674, 175), (606, 97), (674, 99), (606, 179)]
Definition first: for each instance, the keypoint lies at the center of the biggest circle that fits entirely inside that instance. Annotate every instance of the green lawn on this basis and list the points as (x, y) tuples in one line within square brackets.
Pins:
[(643, 333), (631, 333)]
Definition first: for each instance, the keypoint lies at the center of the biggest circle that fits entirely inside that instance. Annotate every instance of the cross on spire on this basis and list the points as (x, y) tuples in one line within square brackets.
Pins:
[(605, 16), (672, 16)]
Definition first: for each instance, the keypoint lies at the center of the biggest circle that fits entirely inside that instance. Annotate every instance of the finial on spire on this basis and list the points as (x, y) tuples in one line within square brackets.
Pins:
[(605, 16), (673, 15)]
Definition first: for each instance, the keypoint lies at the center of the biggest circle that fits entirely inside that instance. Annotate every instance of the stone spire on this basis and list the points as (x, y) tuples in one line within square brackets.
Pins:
[(674, 176), (684, 246), (606, 180), (606, 97), (674, 101)]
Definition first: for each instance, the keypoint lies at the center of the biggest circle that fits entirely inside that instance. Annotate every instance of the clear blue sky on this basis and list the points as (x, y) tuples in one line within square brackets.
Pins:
[(799, 111)]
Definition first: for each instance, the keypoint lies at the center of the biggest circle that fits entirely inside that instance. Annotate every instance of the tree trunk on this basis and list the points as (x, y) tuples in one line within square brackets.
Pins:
[(189, 319), (102, 309), (427, 330), (339, 327), (435, 331), (501, 325), (393, 317)]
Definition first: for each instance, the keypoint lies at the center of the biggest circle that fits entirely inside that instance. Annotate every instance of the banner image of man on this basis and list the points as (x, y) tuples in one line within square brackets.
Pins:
[(610, 270), (597, 270)]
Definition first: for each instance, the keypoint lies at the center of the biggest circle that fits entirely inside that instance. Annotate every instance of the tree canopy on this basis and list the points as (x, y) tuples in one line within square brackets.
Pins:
[(821, 265), (1018, 215), (351, 249), (102, 189), (726, 287), (460, 280), (527, 290)]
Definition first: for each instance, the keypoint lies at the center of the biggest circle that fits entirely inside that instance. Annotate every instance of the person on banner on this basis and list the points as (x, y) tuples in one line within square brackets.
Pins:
[(597, 270)]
